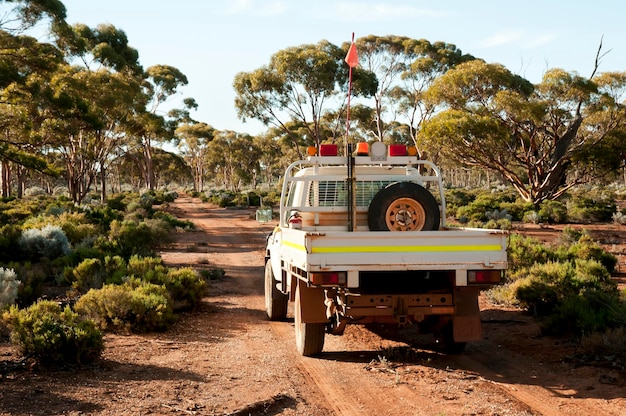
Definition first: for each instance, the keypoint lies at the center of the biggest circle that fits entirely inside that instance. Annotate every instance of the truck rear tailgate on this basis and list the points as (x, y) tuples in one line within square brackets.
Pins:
[(427, 250)]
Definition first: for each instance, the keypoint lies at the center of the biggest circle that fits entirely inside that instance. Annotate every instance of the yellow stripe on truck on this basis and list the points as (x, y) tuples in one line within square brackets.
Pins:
[(395, 249), (404, 249)]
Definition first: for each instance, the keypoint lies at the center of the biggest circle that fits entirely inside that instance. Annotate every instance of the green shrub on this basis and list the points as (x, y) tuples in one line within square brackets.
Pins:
[(588, 312), (185, 286), (517, 209), (117, 202), (136, 306), (49, 241), (150, 269), (53, 335), (141, 238), (524, 252), (531, 217), (587, 249), (9, 237), (88, 274), (574, 296), (32, 277), (173, 221), (587, 206), (553, 212), (103, 216), (9, 286)]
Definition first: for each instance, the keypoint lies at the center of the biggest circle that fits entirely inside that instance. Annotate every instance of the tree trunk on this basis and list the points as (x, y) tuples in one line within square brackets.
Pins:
[(103, 184), (5, 178)]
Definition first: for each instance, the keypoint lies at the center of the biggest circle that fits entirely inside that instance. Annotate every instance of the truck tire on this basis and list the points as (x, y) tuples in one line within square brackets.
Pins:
[(309, 336), (444, 341), (276, 302), (403, 206)]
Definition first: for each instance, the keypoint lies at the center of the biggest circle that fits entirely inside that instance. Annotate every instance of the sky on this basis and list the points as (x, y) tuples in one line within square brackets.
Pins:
[(210, 41)]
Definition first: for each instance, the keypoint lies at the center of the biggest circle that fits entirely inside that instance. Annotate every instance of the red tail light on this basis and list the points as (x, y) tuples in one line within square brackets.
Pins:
[(328, 278), (484, 276)]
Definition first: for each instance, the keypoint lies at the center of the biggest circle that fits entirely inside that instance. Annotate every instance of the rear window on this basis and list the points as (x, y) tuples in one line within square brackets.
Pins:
[(335, 193)]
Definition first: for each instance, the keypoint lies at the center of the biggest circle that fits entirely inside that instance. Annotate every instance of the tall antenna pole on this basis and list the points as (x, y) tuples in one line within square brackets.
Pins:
[(352, 59)]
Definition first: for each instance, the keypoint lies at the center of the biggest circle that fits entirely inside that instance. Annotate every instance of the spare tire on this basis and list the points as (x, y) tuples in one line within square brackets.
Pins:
[(403, 206)]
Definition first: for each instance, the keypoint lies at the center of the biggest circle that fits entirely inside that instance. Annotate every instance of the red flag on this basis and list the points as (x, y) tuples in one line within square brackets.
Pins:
[(352, 58)]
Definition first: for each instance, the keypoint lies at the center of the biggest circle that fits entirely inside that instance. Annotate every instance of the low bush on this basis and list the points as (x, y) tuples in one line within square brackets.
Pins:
[(9, 237), (9, 286), (173, 221), (49, 242), (587, 206), (52, 335), (129, 238), (32, 278), (552, 212), (133, 306), (185, 286)]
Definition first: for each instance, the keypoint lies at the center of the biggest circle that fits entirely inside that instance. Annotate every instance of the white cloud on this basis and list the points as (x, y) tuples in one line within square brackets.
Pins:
[(502, 38), (365, 11), (256, 7), (539, 40)]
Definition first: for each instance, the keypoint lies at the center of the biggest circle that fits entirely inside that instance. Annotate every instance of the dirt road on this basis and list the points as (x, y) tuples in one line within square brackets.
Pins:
[(226, 358)]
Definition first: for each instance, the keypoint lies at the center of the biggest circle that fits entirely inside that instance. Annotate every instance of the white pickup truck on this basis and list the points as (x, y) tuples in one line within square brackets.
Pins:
[(363, 239)]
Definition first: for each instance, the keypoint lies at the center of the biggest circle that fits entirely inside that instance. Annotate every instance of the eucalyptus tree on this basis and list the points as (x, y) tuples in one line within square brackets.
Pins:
[(24, 63), (543, 139), (25, 66), (193, 140), (233, 158), (160, 82), (98, 92), (404, 68), (296, 89), (18, 16)]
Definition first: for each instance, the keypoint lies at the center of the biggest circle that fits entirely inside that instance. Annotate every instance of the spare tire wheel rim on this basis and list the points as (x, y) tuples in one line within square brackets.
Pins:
[(405, 214)]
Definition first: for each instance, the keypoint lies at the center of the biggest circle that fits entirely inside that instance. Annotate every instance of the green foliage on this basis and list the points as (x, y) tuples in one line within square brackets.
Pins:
[(8, 287), (75, 225), (553, 212), (484, 205), (86, 275), (173, 221), (9, 237), (517, 209), (117, 202), (568, 284), (523, 252), (49, 242), (185, 286), (135, 305), (53, 335), (32, 277), (103, 216), (587, 249), (271, 199), (456, 198), (127, 238), (595, 205)]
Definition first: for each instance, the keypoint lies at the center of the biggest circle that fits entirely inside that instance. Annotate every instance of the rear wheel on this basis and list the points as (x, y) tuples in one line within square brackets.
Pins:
[(444, 341), (276, 302), (309, 336)]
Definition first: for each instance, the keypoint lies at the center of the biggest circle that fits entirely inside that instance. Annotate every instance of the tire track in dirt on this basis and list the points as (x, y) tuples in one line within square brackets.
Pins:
[(485, 381)]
